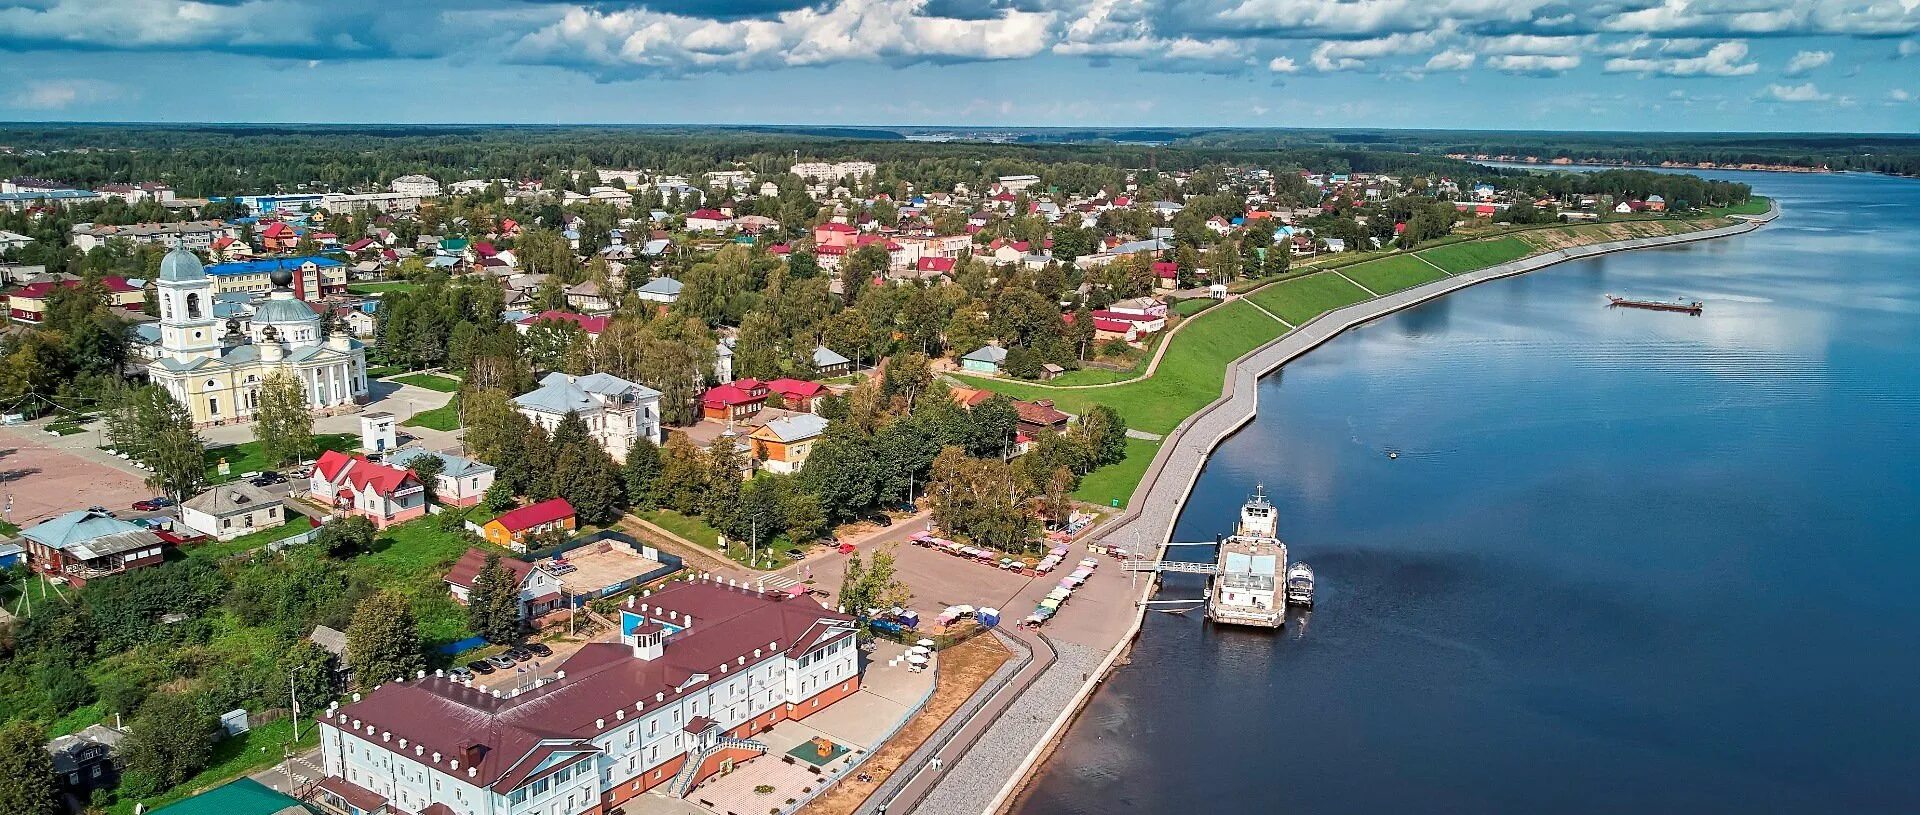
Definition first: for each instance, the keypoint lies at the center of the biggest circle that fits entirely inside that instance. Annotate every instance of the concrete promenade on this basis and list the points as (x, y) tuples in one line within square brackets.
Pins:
[(1009, 750)]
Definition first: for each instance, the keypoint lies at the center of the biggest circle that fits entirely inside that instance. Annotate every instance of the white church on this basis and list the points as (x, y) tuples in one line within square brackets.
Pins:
[(216, 374)]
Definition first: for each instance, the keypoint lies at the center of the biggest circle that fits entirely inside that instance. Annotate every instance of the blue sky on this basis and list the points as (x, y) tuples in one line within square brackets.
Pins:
[(1769, 65)]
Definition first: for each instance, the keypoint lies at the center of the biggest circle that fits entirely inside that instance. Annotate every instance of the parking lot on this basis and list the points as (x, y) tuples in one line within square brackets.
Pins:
[(44, 476)]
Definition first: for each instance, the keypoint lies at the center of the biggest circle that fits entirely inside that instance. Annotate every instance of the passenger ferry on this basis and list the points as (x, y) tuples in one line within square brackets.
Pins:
[(1246, 586)]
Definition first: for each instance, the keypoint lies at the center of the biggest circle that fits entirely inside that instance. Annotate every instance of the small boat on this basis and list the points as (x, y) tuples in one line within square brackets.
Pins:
[(1682, 305), (1300, 584)]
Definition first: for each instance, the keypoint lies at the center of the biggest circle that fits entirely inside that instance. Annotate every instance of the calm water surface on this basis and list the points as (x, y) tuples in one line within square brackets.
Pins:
[(1626, 560)]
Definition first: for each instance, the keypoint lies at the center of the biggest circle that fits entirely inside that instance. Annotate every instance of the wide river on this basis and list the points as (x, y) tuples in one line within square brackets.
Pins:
[(1626, 561)]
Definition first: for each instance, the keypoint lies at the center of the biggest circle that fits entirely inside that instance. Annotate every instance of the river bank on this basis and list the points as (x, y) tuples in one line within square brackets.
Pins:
[(1145, 526)]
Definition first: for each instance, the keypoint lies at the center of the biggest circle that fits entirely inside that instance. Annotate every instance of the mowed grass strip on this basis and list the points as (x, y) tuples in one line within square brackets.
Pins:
[(432, 382), (1388, 275), (1190, 375), (1303, 299), (1466, 257), (1117, 481)]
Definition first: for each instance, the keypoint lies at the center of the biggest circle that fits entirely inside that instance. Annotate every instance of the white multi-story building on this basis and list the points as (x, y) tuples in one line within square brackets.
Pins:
[(193, 235), (416, 185), (617, 412), (701, 668), (834, 171)]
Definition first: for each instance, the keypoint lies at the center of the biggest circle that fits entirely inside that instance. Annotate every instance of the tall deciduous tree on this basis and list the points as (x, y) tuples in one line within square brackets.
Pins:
[(283, 424), (26, 771), (870, 585), (383, 642), (179, 462), (167, 742), (493, 607), (641, 474)]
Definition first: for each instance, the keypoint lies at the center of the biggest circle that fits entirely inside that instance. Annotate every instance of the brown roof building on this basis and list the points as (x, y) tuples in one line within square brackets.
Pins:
[(700, 667)]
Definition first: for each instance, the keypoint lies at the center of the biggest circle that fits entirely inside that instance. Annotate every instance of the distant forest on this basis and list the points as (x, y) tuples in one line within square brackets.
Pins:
[(217, 160)]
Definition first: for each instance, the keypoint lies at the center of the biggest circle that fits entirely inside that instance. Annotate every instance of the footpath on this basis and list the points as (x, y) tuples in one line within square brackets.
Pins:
[(996, 765)]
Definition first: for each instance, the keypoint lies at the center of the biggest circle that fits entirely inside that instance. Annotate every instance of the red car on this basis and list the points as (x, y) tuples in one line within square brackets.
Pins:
[(152, 504)]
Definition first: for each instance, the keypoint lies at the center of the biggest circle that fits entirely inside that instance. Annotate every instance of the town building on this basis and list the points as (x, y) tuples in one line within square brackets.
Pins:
[(660, 290), (28, 304), (461, 482), (86, 545), (828, 363), (782, 445), (231, 510), (701, 667), (735, 401), (616, 412), (217, 376), (986, 359), (313, 277), (538, 591), (512, 528), (380, 493), (415, 185), (798, 394), (84, 761), (194, 235)]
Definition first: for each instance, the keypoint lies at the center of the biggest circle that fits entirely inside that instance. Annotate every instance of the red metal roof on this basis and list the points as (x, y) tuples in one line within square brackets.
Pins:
[(468, 568), (935, 264), (789, 388), (528, 517)]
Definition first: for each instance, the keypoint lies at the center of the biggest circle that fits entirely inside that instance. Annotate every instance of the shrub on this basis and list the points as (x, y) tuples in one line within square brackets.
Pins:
[(763, 789)]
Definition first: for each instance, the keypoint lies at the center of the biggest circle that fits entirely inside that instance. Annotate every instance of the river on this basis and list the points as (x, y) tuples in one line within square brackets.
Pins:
[(1625, 560)]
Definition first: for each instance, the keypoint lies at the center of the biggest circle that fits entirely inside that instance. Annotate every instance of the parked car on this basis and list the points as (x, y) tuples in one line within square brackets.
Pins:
[(461, 675), (796, 554), (519, 654), (268, 479), (151, 504), (480, 666), (539, 649), (881, 519), (98, 509), (502, 661)]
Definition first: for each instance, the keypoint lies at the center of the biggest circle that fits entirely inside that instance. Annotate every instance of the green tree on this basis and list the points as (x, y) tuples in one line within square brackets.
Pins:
[(493, 606), (179, 462), (1105, 434), (383, 641), (867, 587), (641, 474), (282, 423), (427, 468), (168, 742), (26, 771), (584, 474), (310, 668), (345, 537)]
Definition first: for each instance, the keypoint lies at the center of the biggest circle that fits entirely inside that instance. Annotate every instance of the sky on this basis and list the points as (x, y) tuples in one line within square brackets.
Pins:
[(1671, 65)]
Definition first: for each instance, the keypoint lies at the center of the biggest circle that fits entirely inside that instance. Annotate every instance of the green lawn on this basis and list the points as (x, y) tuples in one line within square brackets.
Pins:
[(690, 527), (1117, 481), (247, 753), (1388, 275), (1191, 374), (8, 529), (382, 371), (377, 288), (1756, 205), (1094, 376), (1466, 257), (1194, 305), (247, 457), (1302, 299), (432, 382), (413, 558), (214, 550), (445, 417)]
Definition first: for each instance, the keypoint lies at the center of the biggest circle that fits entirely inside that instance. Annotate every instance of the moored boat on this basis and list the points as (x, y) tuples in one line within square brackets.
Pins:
[(1682, 305), (1300, 584)]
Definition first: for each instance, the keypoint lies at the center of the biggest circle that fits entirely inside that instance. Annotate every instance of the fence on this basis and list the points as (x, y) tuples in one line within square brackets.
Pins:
[(669, 562)]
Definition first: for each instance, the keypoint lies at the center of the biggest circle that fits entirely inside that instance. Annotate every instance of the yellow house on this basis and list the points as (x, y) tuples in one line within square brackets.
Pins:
[(510, 530)]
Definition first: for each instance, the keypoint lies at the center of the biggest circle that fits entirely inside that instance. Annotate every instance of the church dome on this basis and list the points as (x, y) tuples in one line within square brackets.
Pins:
[(282, 311), (181, 266)]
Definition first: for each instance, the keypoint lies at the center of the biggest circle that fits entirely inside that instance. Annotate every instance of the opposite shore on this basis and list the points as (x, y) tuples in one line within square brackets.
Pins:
[(1155, 504)]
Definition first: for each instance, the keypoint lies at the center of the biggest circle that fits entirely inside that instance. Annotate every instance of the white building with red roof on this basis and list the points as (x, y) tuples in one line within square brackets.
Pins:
[(538, 591), (382, 494), (700, 669), (708, 220)]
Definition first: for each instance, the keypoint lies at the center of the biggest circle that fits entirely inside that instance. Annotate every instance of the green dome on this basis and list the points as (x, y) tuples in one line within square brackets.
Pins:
[(180, 266), (282, 311)]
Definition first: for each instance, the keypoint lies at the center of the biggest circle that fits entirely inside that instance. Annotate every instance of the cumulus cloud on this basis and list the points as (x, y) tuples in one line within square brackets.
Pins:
[(60, 94), (1355, 55), (1900, 95), (1907, 48), (1452, 59), (1870, 18), (1724, 59), (1795, 93), (1804, 62), (1283, 65), (1533, 64)]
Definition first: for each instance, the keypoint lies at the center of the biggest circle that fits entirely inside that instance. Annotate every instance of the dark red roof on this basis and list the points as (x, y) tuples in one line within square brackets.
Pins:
[(37, 291), (834, 226), (1040, 413), (468, 568), (528, 517), (789, 388), (518, 733), (737, 392), (1166, 269), (935, 264), (708, 214)]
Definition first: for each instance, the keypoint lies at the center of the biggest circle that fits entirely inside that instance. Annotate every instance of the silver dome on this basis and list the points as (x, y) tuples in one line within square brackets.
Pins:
[(181, 266)]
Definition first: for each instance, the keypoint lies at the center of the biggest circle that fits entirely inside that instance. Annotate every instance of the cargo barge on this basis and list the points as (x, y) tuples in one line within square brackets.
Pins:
[(1693, 307)]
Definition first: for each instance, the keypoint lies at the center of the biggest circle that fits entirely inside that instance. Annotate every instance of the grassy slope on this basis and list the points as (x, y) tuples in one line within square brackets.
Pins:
[(1116, 481), (1392, 274), (1302, 299), (1465, 257), (214, 550), (445, 417), (1190, 376), (1756, 205)]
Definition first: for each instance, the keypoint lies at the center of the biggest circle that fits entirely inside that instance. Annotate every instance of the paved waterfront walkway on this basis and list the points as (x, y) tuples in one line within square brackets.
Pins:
[(1011, 748)]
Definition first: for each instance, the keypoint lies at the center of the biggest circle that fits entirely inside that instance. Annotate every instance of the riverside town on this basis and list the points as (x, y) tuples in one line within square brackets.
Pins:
[(709, 471)]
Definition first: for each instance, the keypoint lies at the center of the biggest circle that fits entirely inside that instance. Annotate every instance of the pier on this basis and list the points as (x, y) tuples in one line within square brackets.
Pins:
[(1147, 525)]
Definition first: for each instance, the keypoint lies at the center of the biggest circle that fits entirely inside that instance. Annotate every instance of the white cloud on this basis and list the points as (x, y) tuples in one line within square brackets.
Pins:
[(893, 31), (1534, 44), (1353, 55), (1725, 59), (1364, 18), (1721, 17), (1452, 59), (1804, 62), (1908, 48), (1795, 93), (1283, 65), (1533, 64), (1901, 95), (60, 94)]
